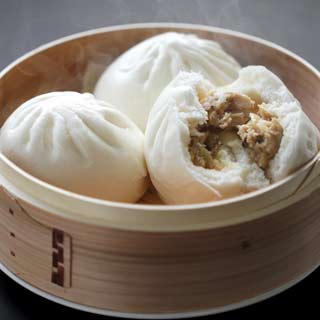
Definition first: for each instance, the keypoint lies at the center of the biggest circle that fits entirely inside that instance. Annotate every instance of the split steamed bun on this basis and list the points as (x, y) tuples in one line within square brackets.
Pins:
[(167, 137), (204, 143), (134, 81), (77, 143)]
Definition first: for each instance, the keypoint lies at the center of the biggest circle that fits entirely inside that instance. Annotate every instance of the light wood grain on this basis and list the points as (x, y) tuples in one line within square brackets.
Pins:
[(152, 271), (174, 272)]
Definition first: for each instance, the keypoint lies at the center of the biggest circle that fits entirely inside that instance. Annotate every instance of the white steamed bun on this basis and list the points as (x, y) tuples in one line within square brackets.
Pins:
[(77, 143), (179, 181), (134, 80)]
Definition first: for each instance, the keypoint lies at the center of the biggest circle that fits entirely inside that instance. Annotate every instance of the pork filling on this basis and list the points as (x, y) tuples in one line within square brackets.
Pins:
[(259, 130)]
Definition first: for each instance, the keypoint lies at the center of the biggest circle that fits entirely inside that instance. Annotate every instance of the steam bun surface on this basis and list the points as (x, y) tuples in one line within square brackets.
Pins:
[(134, 81), (77, 143)]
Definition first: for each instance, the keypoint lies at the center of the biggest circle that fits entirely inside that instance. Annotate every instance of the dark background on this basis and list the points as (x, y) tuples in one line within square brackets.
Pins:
[(26, 24)]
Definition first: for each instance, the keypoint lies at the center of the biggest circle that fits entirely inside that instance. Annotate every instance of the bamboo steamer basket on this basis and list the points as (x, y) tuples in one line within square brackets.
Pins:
[(149, 259)]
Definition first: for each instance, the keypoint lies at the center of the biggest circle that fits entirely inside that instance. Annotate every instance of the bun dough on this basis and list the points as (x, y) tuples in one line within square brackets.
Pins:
[(178, 109), (300, 141), (77, 143), (134, 81)]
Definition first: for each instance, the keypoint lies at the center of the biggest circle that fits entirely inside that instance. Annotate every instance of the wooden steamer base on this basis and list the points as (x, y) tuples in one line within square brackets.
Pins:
[(154, 260), (149, 316)]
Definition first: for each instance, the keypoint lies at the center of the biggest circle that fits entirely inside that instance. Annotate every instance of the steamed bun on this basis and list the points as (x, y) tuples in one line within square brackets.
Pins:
[(134, 80), (77, 143), (204, 143)]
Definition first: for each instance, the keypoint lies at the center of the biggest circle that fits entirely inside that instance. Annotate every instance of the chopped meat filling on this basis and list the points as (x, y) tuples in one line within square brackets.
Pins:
[(259, 130), (203, 148), (262, 136), (228, 111)]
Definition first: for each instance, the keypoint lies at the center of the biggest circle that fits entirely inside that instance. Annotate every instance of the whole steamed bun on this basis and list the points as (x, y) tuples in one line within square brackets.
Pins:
[(134, 80), (180, 109), (77, 143)]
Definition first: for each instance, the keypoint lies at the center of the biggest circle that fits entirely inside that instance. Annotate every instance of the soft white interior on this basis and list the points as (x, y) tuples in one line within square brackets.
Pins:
[(134, 81), (78, 143), (239, 174)]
